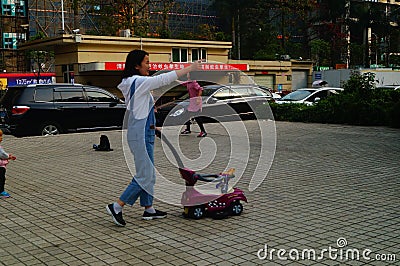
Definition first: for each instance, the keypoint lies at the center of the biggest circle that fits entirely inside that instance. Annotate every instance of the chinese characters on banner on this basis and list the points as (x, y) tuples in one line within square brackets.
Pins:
[(175, 66), (204, 66), (14, 79)]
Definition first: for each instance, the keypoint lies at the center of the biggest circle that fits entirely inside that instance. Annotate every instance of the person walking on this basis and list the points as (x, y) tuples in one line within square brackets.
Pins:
[(195, 106), (4, 159), (136, 86)]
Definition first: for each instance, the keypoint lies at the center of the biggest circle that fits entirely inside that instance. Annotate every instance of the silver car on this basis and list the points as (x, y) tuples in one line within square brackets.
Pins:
[(220, 103), (309, 96), (389, 87)]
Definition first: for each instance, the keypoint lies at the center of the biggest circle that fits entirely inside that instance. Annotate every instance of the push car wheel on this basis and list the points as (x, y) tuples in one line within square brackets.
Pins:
[(196, 212), (236, 208), (50, 128)]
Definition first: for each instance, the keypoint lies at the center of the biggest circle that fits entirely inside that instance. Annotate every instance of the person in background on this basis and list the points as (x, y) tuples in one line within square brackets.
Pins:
[(195, 105), (136, 86), (4, 159)]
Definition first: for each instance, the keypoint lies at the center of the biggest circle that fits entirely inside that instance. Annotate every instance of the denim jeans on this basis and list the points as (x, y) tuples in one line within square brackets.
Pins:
[(141, 143)]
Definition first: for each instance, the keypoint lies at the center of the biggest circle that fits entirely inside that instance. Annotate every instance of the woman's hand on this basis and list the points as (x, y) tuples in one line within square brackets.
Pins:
[(196, 66), (158, 132)]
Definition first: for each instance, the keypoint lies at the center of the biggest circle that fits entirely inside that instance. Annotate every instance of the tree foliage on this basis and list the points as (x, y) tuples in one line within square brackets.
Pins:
[(320, 51), (291, 26), (262, 29), (113, 16)]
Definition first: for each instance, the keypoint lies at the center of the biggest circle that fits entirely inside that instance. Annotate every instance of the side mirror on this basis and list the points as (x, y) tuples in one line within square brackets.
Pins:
[(211, 101)]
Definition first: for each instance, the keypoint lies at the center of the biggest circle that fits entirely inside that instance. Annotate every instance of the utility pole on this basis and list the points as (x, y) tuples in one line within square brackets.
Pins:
[(233, 35), (387, 37), (238, 33), (283, 27), (347, 32), (367, 39), (62, 17), (39, 66)]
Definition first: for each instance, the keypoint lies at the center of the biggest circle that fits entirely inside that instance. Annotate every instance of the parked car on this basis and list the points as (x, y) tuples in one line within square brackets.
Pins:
[(308, 96), (275, 95), (220, 103), (51, 109), (389, 87)]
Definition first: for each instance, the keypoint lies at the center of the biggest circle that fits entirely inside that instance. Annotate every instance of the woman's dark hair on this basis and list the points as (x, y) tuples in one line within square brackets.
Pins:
[(133, 59)]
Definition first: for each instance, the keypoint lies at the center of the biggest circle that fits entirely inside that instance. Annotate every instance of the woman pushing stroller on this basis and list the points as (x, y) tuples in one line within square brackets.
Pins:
[(136, 86)]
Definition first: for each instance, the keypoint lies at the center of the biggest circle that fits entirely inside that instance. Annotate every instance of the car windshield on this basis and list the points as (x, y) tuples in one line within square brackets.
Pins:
[(297, 95)]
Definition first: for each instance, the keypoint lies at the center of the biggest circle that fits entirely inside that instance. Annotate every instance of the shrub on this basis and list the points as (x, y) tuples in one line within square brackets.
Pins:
[(394, 117), (359, 104)]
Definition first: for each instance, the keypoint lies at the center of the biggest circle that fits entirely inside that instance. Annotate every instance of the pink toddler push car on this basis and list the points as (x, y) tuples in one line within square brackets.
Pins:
[(197, 204)]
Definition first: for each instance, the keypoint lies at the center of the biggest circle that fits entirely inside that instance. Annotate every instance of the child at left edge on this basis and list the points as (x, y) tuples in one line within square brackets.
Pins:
[(4, 159)]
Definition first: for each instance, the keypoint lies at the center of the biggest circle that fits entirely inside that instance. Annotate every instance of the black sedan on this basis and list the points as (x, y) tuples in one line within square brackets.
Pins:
[(50, 109), (220, 103)]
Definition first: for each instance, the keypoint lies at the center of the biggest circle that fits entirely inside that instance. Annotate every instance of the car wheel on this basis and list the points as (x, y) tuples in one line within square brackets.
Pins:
[(50, 128), (196, 212), (236, 208)]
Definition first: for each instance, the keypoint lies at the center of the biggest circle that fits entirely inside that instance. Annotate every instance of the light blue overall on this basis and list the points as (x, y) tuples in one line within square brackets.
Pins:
[(140, 136)]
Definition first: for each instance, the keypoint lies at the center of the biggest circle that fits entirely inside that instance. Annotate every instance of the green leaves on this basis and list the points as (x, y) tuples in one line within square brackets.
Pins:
[(359, 104)]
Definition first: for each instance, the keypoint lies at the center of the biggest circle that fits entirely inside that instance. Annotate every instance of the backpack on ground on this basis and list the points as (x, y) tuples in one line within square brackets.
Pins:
[(104, 144)]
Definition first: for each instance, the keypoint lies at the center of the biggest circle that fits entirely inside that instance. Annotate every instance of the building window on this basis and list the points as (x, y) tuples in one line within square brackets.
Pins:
[(68, 73), (8, 43), (20, 9), (13, 8), (21, 37), (9, 40), (179, 55), (6, 10), (199, 54)]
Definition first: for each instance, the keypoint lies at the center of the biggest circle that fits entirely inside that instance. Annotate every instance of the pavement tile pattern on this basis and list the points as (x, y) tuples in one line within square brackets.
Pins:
[(327, 182)]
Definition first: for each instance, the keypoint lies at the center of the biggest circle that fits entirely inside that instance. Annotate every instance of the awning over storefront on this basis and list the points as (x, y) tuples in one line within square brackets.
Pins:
[(157, 66)]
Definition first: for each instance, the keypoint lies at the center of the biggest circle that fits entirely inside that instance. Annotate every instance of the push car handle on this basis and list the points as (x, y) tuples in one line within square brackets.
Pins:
[(206, 178), (213, 178), (171, 147)]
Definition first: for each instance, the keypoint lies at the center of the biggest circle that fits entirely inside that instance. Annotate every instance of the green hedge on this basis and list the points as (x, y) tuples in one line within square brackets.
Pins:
[(359, 104)]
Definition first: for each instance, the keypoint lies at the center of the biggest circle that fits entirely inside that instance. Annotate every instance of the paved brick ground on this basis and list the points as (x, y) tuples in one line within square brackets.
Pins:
[(326, 182)]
